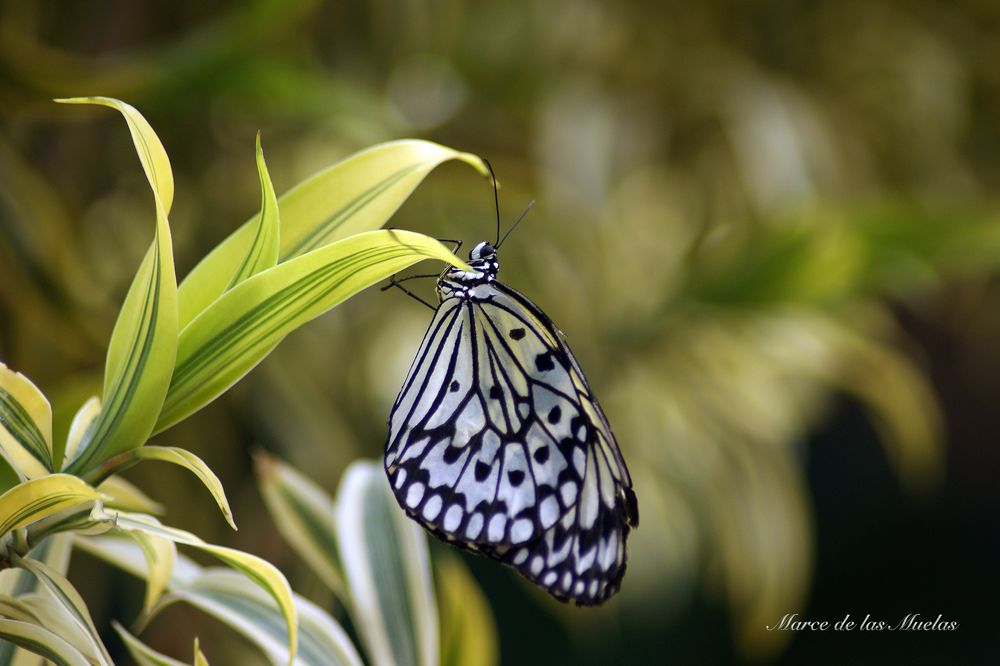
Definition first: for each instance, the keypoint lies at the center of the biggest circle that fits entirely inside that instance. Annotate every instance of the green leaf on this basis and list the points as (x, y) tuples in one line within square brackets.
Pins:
[(304, 514), (468, 631), (142, 653), (263, 251), (177, 456), (69, 599), (261, 572), (358, 194), (41, 641), (41, 497), (387, 569), (240, 328), (25, 425), (144, 341)]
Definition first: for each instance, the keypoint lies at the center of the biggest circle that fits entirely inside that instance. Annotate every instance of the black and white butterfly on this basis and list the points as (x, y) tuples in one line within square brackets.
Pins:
[(497, 443)]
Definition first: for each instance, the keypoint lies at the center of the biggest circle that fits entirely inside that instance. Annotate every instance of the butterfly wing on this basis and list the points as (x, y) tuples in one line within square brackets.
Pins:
[(498, 444)]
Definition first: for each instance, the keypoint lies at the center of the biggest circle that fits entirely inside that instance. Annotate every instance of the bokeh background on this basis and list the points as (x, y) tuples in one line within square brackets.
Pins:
[(770, 230)]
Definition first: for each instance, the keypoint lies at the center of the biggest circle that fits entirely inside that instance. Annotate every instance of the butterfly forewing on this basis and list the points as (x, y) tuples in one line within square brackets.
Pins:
[(497, 444)]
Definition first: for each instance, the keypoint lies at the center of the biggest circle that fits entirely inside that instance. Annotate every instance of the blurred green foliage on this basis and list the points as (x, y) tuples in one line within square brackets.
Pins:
[(736, 200)]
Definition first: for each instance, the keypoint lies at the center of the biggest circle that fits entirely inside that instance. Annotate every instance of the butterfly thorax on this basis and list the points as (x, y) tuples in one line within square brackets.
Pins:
[(456, 283)]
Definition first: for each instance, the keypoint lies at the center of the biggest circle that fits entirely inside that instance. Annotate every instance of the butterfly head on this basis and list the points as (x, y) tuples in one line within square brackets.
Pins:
[(483, 255), (483, 260), (484, 264)]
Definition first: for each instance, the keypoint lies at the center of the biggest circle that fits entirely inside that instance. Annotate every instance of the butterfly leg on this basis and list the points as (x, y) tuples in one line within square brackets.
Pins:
[(397, 282), (457, 243)]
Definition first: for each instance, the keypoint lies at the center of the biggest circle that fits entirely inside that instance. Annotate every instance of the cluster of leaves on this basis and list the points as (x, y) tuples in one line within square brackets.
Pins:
[(173, 350)]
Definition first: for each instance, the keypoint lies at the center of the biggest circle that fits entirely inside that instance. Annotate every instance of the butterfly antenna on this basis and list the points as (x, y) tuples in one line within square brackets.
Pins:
[(496, 197), (516, 222)]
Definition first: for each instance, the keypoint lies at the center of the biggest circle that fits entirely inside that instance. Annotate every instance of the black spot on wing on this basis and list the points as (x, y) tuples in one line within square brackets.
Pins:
[(482, 471), (541, 454), (516, 477), (452, 454), (544, 362), (516, 333), (631, 508), (454, 386), (554, 415)]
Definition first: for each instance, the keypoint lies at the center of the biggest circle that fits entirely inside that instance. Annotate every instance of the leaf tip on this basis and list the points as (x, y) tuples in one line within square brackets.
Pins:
[(75, 100), (265, 465), (478, 163)]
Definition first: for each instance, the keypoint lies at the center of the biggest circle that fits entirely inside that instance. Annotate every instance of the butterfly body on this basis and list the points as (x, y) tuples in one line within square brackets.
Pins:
[(497, 443)]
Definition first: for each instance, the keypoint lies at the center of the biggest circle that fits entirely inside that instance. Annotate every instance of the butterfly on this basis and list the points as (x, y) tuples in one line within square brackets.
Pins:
[(497, 444)]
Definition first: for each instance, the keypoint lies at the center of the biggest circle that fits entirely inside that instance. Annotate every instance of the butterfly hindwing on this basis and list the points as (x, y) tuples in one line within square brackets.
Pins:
[(497, 444), (587, 505)]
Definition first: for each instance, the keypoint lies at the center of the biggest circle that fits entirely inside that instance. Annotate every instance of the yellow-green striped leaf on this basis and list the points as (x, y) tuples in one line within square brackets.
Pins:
[(25, 425), (144, 341), (304, 514), (121, 550), (76, 519), (263, 251), (14, 582), (21, 609), (358, 194), (82, 421), (177, 456), (41, 641), (387, 570), (244, 607), (142, 653), (46, 611), (261, 572), (35, 499), (54, 551), (233, 599), (125, 496), (67, 596), (240, 328), (160, 556), (199, 656), (151, 153), (16, 609)]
